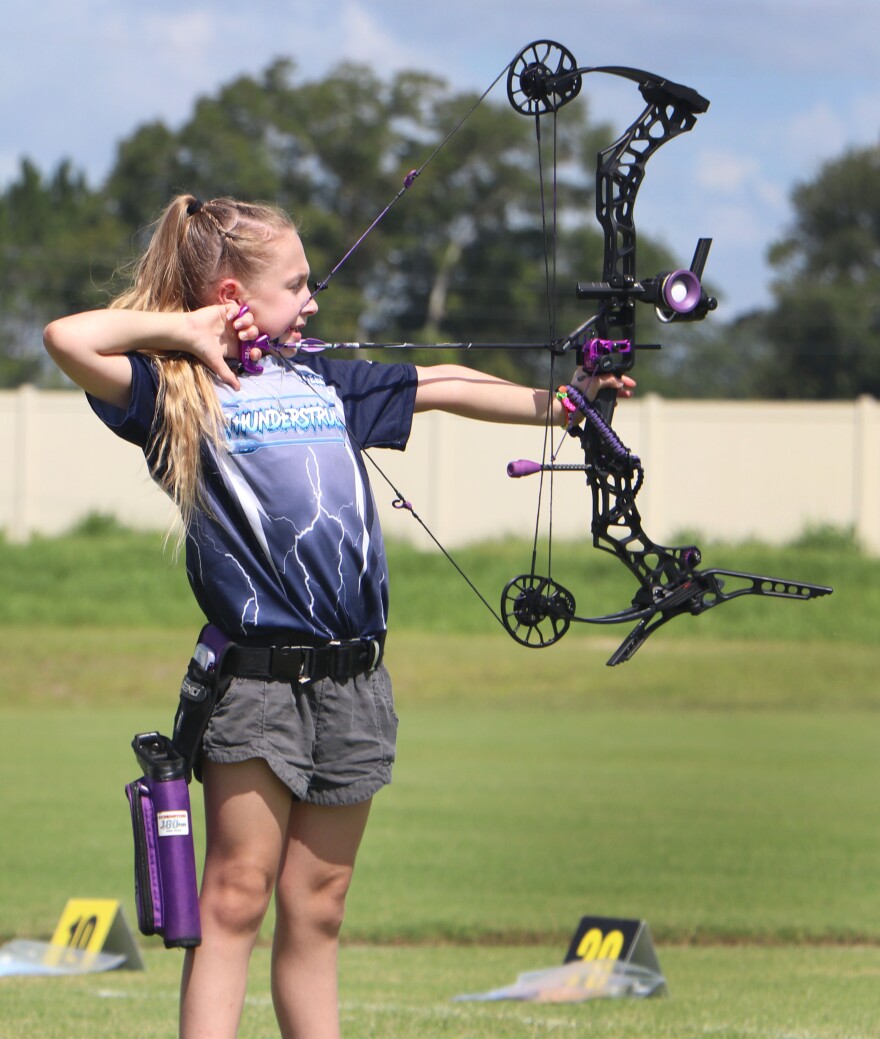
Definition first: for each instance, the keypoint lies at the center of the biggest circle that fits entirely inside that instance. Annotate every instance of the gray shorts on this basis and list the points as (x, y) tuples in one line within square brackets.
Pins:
[(331, 742)]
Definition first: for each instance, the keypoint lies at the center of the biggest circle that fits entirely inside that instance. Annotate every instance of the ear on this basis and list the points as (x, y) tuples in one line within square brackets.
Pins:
[(229, 291)]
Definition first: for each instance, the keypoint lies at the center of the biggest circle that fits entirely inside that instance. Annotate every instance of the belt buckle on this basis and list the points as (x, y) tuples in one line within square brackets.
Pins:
[(339, 669)]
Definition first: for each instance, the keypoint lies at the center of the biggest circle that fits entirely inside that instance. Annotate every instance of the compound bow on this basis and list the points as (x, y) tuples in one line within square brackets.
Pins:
[(536, 610)]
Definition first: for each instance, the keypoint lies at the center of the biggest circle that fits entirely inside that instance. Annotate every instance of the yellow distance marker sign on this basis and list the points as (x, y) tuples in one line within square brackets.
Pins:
[(95, 926), (611, 940)]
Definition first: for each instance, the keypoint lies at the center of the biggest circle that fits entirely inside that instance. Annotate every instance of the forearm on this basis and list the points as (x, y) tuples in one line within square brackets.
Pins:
[(477, 395), (90, 347), (108, 332)]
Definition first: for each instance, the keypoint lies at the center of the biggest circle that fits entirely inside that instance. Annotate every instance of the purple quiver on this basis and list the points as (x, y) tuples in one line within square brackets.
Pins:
[(166, 889)]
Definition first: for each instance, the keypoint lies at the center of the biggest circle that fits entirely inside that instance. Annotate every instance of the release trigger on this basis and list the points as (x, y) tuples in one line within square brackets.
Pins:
[(246, 345)]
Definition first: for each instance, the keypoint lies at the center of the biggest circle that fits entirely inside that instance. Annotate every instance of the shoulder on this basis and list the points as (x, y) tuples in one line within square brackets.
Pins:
[(378, 399), (134, 422)]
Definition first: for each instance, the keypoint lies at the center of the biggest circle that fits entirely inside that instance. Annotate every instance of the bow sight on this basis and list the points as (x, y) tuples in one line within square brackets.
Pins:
[(536, 610)]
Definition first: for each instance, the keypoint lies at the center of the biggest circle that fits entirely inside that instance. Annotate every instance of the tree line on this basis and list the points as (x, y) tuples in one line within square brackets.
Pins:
[(463, 261)]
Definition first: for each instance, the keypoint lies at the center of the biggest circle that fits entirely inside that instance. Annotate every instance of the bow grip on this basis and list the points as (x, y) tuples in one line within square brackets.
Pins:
[(605, 402)]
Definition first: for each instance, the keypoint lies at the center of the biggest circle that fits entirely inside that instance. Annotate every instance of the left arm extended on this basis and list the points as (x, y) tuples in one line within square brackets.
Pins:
[(473, 394)]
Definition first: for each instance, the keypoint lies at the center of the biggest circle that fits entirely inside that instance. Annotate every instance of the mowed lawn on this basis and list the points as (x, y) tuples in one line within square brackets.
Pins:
[(724, 789)]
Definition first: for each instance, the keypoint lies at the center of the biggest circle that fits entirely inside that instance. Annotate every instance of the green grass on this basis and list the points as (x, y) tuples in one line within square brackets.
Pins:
[(722, 786), (396, 992), (124, 580), (506, 822)]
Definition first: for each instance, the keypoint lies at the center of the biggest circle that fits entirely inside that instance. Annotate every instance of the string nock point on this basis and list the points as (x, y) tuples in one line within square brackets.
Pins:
[(402, 503), (410, 178)]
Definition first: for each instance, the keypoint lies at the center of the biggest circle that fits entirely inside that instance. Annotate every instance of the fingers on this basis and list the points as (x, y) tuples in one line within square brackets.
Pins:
[(242, 321), (627, 386), (590, 385), (230, 378)]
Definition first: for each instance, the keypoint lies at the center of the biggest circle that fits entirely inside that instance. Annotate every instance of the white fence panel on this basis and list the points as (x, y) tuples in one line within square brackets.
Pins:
[(730, 470)]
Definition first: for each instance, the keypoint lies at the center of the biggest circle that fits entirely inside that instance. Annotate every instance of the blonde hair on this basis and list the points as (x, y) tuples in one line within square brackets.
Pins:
[(194, 245)]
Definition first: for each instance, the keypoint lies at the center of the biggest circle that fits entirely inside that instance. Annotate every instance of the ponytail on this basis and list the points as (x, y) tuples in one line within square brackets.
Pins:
[(193, 246)]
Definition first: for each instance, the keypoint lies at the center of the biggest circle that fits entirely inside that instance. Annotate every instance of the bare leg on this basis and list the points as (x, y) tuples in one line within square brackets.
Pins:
[(313, 881), (246, 816)]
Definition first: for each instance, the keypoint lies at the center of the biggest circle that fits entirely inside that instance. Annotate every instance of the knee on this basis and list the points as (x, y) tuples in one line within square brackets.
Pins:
[(319, 907), (329, 904), (235, 896)]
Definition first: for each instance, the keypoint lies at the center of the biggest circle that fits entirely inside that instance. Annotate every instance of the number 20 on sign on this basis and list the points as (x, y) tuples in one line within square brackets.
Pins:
[(596, 945)]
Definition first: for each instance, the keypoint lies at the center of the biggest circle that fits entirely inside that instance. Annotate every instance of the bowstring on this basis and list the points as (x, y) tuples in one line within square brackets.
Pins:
[(400, 501), (408, 182), (550, 237)]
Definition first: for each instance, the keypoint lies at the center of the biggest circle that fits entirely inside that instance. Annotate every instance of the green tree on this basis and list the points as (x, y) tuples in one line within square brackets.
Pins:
[(462, 258), (59, 246), (824, 328)]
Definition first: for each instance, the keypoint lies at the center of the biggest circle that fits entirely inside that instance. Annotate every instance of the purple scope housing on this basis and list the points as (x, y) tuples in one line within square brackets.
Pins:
[(166, 887)]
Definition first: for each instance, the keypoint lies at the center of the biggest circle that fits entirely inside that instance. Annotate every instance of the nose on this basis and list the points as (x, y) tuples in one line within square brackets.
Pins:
[(310, 306)]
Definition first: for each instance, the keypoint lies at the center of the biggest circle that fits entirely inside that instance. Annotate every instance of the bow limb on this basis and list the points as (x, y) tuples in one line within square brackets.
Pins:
[(701, 590)]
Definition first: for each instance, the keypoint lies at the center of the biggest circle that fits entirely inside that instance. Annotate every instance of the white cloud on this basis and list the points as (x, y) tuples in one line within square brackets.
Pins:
[(814, 134), (364, 38), (726, 172)]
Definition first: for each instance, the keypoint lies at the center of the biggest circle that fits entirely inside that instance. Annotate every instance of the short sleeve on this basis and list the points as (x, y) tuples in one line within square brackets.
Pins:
[(134, 423), (379, 399)]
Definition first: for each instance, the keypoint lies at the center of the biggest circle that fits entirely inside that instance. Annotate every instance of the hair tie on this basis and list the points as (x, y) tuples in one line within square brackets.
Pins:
[(194, 206)]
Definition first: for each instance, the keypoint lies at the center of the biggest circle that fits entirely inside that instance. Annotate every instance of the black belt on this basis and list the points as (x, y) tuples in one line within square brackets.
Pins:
[(337, 660)]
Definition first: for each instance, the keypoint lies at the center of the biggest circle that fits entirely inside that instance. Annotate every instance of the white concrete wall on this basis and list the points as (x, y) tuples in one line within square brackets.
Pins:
[(729, 470)]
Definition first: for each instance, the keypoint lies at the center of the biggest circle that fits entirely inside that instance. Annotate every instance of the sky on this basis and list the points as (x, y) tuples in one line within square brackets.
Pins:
[(792, 84)]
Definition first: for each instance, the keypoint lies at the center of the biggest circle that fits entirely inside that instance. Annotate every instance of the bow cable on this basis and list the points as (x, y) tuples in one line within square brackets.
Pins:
[(551, 241)]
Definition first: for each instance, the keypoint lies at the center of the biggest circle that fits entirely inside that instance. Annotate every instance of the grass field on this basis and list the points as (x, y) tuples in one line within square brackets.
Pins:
[(723, 786)]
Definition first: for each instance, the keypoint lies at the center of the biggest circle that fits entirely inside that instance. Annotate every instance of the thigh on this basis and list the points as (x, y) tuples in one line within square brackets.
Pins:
[(321, 846), (247, 810)]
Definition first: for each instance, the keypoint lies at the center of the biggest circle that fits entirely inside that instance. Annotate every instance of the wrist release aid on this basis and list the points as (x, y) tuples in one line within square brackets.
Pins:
[(166, 888)]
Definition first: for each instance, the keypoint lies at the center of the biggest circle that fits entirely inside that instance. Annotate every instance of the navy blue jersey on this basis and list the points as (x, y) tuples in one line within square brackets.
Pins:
[(289, 538)]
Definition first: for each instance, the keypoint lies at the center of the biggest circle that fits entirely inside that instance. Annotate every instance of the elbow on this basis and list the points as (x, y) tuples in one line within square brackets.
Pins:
[(61, 346), (62, 342), (53, 339)]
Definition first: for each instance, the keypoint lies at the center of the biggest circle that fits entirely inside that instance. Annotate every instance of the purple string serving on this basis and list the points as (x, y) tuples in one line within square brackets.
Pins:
[(610, 439)]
